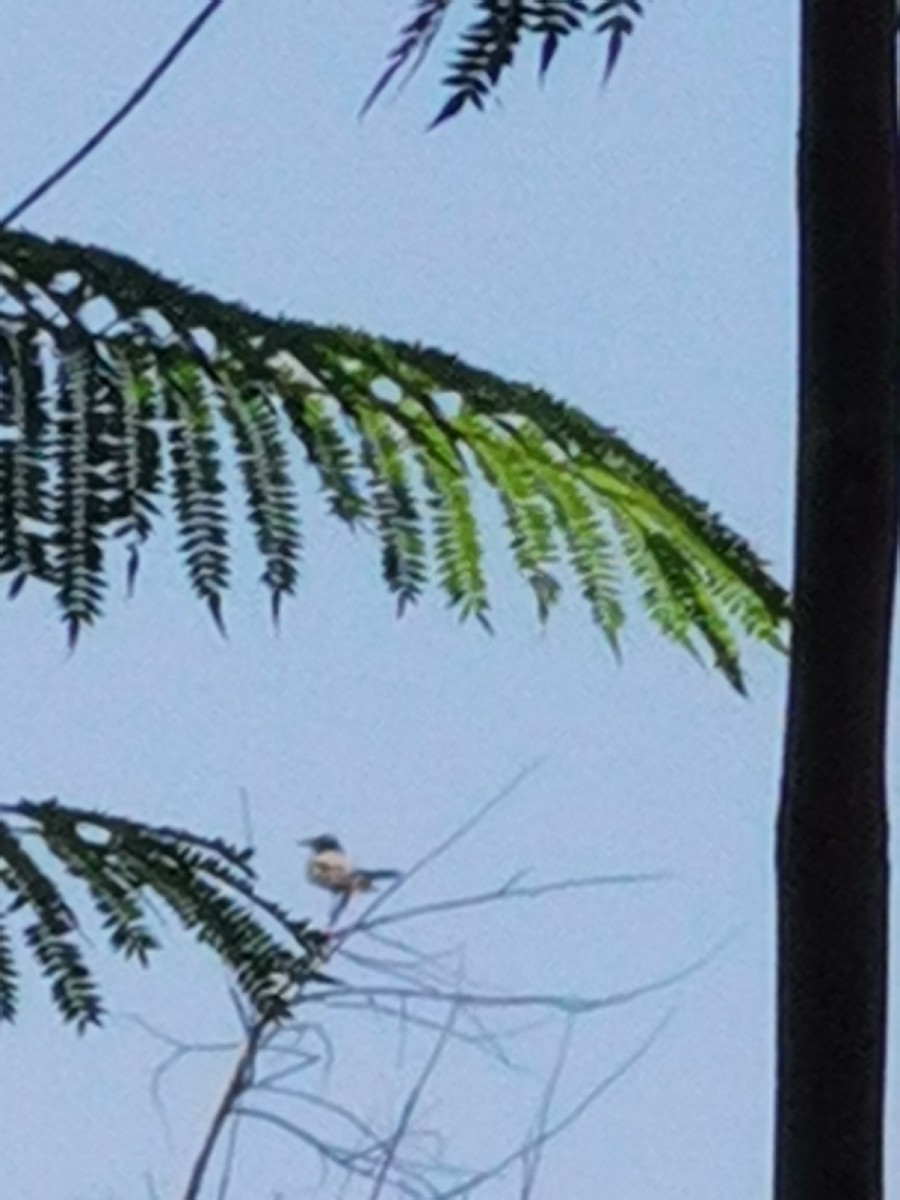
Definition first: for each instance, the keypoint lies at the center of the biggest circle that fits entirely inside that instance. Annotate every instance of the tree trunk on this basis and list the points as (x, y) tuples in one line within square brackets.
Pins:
[(832, 830)]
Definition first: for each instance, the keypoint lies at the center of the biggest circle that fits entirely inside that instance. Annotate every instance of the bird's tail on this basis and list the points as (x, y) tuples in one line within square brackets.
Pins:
[(366, 879)]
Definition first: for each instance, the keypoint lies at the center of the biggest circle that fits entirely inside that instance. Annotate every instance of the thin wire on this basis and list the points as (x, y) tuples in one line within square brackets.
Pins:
[(140, 93)]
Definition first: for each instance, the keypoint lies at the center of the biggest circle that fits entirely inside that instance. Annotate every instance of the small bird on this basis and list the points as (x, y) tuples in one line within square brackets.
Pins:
[(330, 867)]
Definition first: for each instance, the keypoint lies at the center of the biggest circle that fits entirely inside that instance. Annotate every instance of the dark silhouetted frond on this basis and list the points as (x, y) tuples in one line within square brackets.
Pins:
[(25, 500), (80, 504), (492, 32), (616, 20), (124, 866), (9, 976), (124, 397), (486, 49), (413, 45)]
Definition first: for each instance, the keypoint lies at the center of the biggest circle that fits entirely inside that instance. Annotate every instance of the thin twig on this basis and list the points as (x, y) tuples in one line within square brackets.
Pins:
[(442, 847), (486, 1044), (139, 94), (347, 1160), (561, 1003), (531, 1161), (412, 1102), (483, 1038), (507, 891), (178, 1050), (552, 1131)]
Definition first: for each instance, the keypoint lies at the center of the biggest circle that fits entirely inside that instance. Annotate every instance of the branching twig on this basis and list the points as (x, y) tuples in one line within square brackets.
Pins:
[(577, 1110), (572, 1005), (418, 990), (442, 847), (507, 891)]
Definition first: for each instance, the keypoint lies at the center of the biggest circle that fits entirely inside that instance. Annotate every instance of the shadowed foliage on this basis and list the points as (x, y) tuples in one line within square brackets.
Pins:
[(125, 868), (124, 397), (492, 34)]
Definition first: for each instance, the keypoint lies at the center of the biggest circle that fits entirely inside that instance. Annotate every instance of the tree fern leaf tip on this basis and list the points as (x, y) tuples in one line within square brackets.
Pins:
[(131, 570), (214, 604)]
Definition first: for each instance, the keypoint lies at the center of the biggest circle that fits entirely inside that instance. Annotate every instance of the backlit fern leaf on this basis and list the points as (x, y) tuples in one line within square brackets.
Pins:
[(590, 549), (327, 451), (581, 514), (687, 586), (660, 604), (457, 544), (396, 512), (179, 388), (527, 515)]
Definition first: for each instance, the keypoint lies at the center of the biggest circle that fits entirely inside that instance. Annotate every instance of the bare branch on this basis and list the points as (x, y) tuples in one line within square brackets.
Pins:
[(348, 1160), (420, 990), (137, 96), (567, 1004), (447, 844), (576, 1111), (507, 891)]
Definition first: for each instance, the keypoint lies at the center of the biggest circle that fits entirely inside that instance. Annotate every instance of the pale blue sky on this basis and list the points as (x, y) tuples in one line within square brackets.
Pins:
[(633, 252)]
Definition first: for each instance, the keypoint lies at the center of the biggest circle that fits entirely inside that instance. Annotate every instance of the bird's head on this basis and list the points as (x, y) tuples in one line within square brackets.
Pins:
[(325, 841)]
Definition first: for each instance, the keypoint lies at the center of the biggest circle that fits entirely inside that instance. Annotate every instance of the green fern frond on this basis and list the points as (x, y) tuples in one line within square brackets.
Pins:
[(120, 864), (393, 503), (457, 544), (327, 450), (174, 392), (487, 44), (687, 587), (527, 516), (661, 606)]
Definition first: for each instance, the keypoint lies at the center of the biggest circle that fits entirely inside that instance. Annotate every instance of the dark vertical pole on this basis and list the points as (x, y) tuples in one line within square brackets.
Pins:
[(832, 865)]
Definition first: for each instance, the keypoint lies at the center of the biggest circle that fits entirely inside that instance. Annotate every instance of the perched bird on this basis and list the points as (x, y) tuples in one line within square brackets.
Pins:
[(330, 867)]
